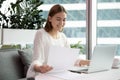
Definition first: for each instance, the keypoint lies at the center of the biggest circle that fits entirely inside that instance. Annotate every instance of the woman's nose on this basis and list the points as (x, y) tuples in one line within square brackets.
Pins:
[(61, 22)]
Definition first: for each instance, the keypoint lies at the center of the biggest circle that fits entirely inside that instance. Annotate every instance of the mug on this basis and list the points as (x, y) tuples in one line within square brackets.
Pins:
[(116, 62)]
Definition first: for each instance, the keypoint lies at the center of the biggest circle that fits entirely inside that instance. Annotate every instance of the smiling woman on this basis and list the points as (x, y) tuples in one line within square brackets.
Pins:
[(50, 35), (46, 37)]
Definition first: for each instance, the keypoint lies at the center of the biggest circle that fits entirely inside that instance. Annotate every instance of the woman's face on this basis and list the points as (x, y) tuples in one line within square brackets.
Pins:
[(58, 21)]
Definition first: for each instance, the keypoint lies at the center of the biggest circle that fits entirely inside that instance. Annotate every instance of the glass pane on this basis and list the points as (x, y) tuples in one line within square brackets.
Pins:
[(108, 23), (75, 32), (111, 14), (104, 32)]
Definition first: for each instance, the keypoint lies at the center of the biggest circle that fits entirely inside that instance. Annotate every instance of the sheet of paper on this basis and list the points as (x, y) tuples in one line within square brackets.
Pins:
[(62, 57)]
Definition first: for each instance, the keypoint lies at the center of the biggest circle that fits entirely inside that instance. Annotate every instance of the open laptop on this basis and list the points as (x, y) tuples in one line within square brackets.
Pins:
[(62, 58), (102, 59)]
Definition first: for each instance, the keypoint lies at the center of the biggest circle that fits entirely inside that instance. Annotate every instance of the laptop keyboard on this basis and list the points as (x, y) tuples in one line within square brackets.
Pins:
[(84, 70), (79, 69)]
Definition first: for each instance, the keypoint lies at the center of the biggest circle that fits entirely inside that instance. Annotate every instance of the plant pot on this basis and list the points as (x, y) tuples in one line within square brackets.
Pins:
[(18, 36)]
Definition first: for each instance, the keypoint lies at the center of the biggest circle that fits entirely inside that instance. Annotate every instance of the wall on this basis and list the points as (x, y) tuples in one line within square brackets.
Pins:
[(18, 36)]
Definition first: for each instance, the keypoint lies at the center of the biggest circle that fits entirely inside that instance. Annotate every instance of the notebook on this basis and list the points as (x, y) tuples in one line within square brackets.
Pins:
[(62, 58), (102, 60)]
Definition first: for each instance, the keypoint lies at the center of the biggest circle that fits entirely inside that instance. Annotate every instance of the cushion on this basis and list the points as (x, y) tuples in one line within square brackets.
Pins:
[(11, 67), (26, 57)]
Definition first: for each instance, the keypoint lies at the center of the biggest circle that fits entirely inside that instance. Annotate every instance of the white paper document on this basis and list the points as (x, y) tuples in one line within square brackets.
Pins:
[(62, 58)]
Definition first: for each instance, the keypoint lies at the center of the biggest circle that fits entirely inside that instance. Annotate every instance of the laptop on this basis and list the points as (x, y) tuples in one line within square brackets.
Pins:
[(102, 59), (62, 58)]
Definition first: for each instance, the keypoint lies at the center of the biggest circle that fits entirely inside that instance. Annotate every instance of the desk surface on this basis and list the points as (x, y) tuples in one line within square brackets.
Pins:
[(113, 74)]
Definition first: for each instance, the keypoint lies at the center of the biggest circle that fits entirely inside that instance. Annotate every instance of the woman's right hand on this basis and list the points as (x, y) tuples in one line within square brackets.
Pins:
[(43, 69), (82, 62)]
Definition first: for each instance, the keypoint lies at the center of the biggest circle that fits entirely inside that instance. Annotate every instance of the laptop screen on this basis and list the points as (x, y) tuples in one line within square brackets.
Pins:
[(102, 58)]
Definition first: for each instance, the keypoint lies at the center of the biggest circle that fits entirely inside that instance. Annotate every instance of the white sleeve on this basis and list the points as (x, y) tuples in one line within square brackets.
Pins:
[(38, 56), (38, 48)]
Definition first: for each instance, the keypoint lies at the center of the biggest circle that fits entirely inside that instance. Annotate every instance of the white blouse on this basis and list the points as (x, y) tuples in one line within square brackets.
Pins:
[(42, 42)]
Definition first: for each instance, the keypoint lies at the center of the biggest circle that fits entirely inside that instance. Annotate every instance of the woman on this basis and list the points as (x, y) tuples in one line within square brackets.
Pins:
[(50, 35)]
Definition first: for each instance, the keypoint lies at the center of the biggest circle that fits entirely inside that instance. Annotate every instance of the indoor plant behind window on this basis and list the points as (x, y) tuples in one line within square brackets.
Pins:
[(79, 46)]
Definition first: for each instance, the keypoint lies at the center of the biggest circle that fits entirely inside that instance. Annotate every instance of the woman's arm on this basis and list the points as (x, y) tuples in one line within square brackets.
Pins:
[(39, 53)]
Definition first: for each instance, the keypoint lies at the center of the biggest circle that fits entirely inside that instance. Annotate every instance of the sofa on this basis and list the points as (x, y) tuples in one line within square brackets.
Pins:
[(12, 66)]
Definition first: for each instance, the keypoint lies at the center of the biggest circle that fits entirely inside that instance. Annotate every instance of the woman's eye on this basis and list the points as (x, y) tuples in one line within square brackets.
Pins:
[(58, 19), (64, 19)]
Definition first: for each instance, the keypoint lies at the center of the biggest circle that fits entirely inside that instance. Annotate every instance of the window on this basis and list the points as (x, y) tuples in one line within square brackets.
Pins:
[(108, 23)]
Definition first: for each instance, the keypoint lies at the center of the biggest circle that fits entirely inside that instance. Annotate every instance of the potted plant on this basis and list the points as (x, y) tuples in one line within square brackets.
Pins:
[(79, 46), (24, 14), (2, 16), (23, 21)]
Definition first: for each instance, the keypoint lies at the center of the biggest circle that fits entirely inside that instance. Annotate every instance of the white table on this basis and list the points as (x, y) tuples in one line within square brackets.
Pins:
[(113, 74)]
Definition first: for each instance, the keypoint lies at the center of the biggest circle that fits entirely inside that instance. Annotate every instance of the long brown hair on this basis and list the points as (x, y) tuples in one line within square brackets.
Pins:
[(54, 10)]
